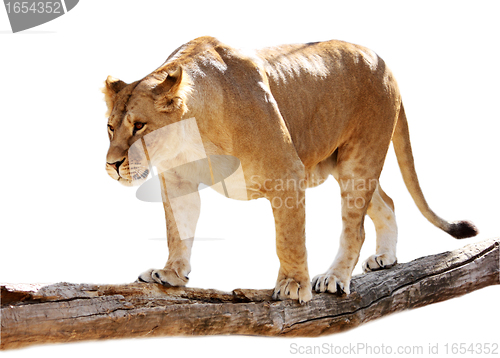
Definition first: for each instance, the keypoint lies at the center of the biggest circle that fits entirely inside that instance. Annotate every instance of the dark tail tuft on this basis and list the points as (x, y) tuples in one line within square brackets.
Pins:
[(462, 229)]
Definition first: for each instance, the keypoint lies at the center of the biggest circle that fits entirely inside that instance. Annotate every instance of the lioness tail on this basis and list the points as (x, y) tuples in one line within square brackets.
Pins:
[(402, 147)]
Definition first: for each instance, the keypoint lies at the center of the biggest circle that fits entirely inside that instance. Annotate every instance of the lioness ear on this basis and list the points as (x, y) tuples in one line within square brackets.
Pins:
[(111, 87), (171, 93)]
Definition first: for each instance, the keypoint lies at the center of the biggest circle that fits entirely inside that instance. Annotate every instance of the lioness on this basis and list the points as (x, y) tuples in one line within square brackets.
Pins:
[(289, 114)]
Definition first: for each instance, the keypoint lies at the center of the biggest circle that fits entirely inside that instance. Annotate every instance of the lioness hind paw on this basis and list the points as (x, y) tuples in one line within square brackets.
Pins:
[(331, 283), (379, 262)]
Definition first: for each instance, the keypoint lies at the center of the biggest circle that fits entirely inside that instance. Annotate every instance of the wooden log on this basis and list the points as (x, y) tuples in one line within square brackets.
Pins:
[(65, 312)]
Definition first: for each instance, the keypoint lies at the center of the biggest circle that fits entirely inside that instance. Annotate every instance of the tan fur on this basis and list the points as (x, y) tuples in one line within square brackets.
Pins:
[(292, 115)]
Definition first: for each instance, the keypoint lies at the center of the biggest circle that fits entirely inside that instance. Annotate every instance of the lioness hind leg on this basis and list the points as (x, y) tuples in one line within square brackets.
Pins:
[(357, 169), (381, 211), (354, 206)]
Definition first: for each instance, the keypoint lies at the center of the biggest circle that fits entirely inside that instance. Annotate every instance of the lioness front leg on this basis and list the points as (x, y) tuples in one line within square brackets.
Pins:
[(289, 217), (180, 235)]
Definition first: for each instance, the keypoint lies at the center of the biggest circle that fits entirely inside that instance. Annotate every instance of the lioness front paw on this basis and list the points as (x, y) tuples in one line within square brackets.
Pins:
[(331, 283), (379, 262), (166, 277), (289, 288)]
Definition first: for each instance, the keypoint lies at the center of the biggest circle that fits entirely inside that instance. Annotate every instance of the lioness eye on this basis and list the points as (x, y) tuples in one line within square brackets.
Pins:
[(138, 126), (110, 127)]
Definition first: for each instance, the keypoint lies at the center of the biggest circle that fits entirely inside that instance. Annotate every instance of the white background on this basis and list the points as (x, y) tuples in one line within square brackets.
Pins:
[(64, 219)]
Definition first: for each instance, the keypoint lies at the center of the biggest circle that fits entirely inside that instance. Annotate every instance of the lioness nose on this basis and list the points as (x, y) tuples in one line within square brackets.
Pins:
[(116, 165)]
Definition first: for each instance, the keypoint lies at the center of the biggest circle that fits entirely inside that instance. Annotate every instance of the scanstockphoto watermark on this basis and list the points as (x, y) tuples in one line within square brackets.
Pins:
[(384, 349), (157, 156), (354, 349), (355, 190), (25, 15)]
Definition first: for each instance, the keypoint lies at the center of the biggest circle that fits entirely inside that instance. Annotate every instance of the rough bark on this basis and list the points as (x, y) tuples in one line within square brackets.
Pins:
[(64, 312)]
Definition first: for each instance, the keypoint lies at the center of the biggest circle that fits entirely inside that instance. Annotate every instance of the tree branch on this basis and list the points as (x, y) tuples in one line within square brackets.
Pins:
[(64, 312)]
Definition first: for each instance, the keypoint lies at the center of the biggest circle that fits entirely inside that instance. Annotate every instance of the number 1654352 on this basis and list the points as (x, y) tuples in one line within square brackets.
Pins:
[(34, 7)]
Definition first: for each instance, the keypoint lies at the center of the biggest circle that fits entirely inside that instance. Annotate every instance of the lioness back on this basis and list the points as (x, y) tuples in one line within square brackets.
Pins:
[(322, 87)]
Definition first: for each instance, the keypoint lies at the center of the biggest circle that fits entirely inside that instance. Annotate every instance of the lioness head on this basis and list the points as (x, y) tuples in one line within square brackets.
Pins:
[(137, 112)]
